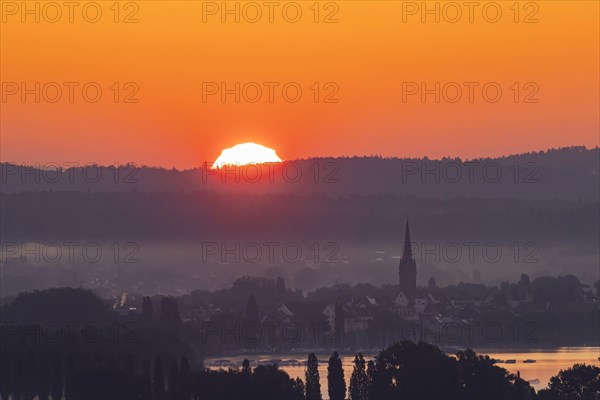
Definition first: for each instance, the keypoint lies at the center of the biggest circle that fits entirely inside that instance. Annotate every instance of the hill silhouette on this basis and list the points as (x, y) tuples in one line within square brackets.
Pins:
[(536, 175)]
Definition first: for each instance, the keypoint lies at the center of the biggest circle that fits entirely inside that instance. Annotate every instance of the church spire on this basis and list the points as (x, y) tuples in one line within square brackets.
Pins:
[(407, 270), (407, 254)]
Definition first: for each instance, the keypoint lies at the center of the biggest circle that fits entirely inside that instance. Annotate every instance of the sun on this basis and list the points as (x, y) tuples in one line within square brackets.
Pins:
[(246, 153)]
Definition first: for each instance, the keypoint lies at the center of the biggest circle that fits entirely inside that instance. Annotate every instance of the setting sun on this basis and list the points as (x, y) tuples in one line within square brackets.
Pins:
[(246, 153)]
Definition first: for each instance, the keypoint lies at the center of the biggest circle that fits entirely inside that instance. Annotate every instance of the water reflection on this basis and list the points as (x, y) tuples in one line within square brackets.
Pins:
[(540, 366)]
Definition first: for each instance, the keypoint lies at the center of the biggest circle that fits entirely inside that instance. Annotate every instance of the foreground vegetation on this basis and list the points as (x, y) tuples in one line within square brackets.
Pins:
[(66, 343), (405, 370)]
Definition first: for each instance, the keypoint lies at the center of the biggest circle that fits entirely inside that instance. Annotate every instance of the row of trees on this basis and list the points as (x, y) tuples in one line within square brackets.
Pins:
[(422, 371), (405, 370), (417, 371), (82, 378)]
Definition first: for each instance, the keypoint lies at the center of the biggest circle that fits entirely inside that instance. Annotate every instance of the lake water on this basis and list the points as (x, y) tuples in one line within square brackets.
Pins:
[(548, 362)]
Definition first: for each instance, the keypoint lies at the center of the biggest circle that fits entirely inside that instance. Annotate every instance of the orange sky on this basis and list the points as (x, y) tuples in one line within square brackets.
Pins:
[(367, 54)]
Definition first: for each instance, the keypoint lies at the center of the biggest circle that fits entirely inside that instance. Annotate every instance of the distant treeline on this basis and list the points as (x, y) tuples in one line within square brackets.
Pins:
[(567, 173), (362, 219)]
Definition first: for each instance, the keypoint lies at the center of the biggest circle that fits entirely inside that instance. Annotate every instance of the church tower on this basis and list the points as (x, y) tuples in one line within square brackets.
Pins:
[(407, 270)]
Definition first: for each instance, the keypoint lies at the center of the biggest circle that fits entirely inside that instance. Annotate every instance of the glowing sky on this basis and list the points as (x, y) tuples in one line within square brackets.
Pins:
[(177, 55), (246, 153)]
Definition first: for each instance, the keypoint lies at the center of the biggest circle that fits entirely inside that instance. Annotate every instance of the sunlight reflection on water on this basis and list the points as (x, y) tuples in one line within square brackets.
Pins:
[(548, 362)]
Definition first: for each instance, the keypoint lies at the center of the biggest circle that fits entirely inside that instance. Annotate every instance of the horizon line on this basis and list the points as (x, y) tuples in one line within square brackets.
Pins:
[(210, 164)]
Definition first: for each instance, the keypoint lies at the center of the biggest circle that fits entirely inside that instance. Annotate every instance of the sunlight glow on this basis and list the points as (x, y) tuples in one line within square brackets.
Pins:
[(246, 153)]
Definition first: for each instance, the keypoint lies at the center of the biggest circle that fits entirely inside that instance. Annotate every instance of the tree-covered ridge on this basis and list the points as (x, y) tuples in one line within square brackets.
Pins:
[(527, 176)]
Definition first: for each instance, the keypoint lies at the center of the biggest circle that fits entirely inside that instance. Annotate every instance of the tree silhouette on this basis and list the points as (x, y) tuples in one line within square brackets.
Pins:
[(336, 385), (359, 382), (580, 382), (339, 321), (129, 364), (169, 313), (377, 384), (251, 319), (18, 378), (69, 376), (102, 382), (246, 366), (313, 385), (280, 284), (185, 378), (173, 381), (299, 388), (158, 378), (431, 284), (146, 384), (484, 380), (6, 387), (30, 388), (412, 370), (252, 309), (112, 361), (44, 380), (147, 309), (524, 280), (56, 390), (269, 382)]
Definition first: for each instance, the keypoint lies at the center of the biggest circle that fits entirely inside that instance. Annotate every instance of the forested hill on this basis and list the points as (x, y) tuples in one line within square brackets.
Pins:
[(558, 174)]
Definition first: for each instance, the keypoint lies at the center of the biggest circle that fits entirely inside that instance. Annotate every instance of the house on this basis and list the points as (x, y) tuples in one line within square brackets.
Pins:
[(421, 303), (514, 301), (403, 308)]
